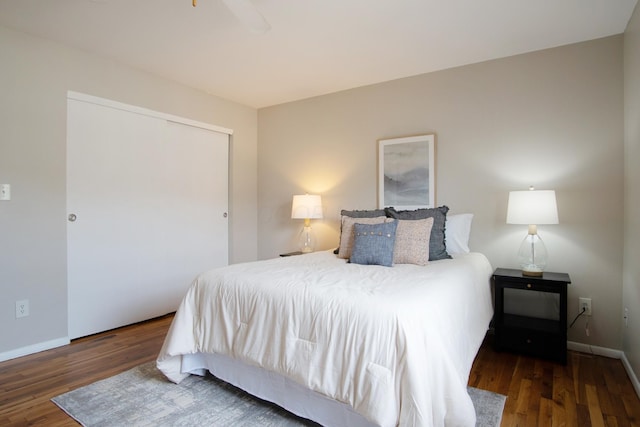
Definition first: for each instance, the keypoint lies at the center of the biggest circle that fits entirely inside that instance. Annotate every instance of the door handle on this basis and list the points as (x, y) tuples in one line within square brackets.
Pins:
[(72, 217)]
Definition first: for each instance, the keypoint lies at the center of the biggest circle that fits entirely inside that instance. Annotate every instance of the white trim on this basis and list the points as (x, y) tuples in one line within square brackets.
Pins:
[(632, 375), (144, 111), (608, 352), (34, 348), (594, 349)]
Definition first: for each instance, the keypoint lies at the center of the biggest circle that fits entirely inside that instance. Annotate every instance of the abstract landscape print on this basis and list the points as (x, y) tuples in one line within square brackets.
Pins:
[(406, 169)]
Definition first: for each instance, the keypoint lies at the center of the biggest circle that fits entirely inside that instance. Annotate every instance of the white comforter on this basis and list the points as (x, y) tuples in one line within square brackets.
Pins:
[(397, 344)]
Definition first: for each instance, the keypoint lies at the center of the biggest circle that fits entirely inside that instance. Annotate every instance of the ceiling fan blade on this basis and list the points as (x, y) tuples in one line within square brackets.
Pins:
[(247, 13)]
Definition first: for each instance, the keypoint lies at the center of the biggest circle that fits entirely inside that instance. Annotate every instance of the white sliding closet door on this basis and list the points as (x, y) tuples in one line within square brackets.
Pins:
[(148, 203)]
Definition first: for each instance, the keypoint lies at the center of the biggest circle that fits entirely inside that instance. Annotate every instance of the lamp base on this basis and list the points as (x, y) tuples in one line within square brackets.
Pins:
[(306, 240), (532, 256), (532, 273), (532, 270)]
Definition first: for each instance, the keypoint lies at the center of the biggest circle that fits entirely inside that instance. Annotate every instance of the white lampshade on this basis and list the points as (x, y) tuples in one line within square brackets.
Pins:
[(306, 206), (532, 207)]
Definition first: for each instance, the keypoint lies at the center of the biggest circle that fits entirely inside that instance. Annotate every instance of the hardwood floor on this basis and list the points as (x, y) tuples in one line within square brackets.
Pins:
[(28, 383), (588, 391)]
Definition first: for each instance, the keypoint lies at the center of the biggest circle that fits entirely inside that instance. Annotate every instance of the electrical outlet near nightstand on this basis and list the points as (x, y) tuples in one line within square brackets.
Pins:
[(585, 303)]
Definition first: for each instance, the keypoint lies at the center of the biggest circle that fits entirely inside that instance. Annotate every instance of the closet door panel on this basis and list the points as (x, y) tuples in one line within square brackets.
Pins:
[(146, 202), (196, 234)]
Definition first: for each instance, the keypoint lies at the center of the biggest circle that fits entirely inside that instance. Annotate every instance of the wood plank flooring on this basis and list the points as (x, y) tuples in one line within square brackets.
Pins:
[(28, 383), (588, 391)]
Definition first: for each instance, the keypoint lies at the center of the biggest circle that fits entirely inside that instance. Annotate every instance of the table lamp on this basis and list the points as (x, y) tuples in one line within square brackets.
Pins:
[(306, 207), (532, 208)]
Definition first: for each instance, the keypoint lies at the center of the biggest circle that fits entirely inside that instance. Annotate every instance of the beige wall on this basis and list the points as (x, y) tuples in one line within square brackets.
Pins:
[(553, 119), (631, 283), (34, 79)]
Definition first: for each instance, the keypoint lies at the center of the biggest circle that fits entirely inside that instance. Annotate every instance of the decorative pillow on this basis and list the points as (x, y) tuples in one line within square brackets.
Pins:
[(373, 244), (412, 241), (373, 213), (364, 213), (437, 248), (458, 228), (346, 235)]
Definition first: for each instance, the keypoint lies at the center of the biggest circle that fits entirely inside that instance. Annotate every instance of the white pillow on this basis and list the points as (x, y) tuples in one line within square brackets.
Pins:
[(456, 233)]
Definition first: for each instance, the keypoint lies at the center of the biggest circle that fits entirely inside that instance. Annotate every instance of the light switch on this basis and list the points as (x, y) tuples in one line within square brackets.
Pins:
[(5, 192)]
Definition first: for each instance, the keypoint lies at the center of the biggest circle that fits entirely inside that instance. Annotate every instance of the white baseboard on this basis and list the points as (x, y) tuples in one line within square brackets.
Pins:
[(608, 352), (34, 348), (594, 349), (632, 375)]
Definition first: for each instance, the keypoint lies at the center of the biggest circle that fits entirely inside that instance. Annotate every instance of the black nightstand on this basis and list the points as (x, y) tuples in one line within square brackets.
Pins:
[(535, 336), (292, 253)]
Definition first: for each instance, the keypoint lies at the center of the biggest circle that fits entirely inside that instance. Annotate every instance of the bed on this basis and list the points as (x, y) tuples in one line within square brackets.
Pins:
[(339, 343)]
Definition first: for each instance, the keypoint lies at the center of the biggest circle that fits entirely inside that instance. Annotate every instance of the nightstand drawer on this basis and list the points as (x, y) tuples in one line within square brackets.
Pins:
[(534, 343), (530, 286), (292, 254)]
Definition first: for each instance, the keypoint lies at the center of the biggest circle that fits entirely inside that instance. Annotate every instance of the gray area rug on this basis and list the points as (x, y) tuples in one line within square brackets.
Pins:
[(142, 396)]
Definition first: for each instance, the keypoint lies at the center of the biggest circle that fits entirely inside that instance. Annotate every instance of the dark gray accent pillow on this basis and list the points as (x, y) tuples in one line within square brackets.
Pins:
[(374, 213), (373, 243), (437, 248)]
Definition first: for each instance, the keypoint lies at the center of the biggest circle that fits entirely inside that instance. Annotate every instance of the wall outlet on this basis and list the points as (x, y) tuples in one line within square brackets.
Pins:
[(22, 308), (626, 317), (585, 303), (5, 192)]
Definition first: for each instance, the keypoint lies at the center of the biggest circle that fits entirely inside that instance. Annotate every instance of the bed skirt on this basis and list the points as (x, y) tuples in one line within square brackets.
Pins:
[(275, 388)]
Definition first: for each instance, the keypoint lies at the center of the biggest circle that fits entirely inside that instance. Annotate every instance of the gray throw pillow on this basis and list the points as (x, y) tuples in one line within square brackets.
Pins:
[(373, 244), (437, 248)]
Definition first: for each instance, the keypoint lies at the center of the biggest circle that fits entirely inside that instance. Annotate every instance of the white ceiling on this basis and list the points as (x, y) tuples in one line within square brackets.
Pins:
[(314, 47)]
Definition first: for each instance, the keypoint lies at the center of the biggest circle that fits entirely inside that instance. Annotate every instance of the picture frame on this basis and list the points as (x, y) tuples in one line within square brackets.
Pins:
[(406, 172)]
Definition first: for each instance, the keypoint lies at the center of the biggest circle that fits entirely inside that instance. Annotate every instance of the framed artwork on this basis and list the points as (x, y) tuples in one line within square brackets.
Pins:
[(406, 172)]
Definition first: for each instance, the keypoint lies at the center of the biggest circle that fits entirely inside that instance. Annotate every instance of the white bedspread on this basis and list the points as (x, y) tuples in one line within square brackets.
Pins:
[(397, 344)]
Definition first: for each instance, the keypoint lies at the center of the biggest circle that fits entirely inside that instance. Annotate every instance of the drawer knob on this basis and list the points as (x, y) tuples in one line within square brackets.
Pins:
[(528, 285)]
